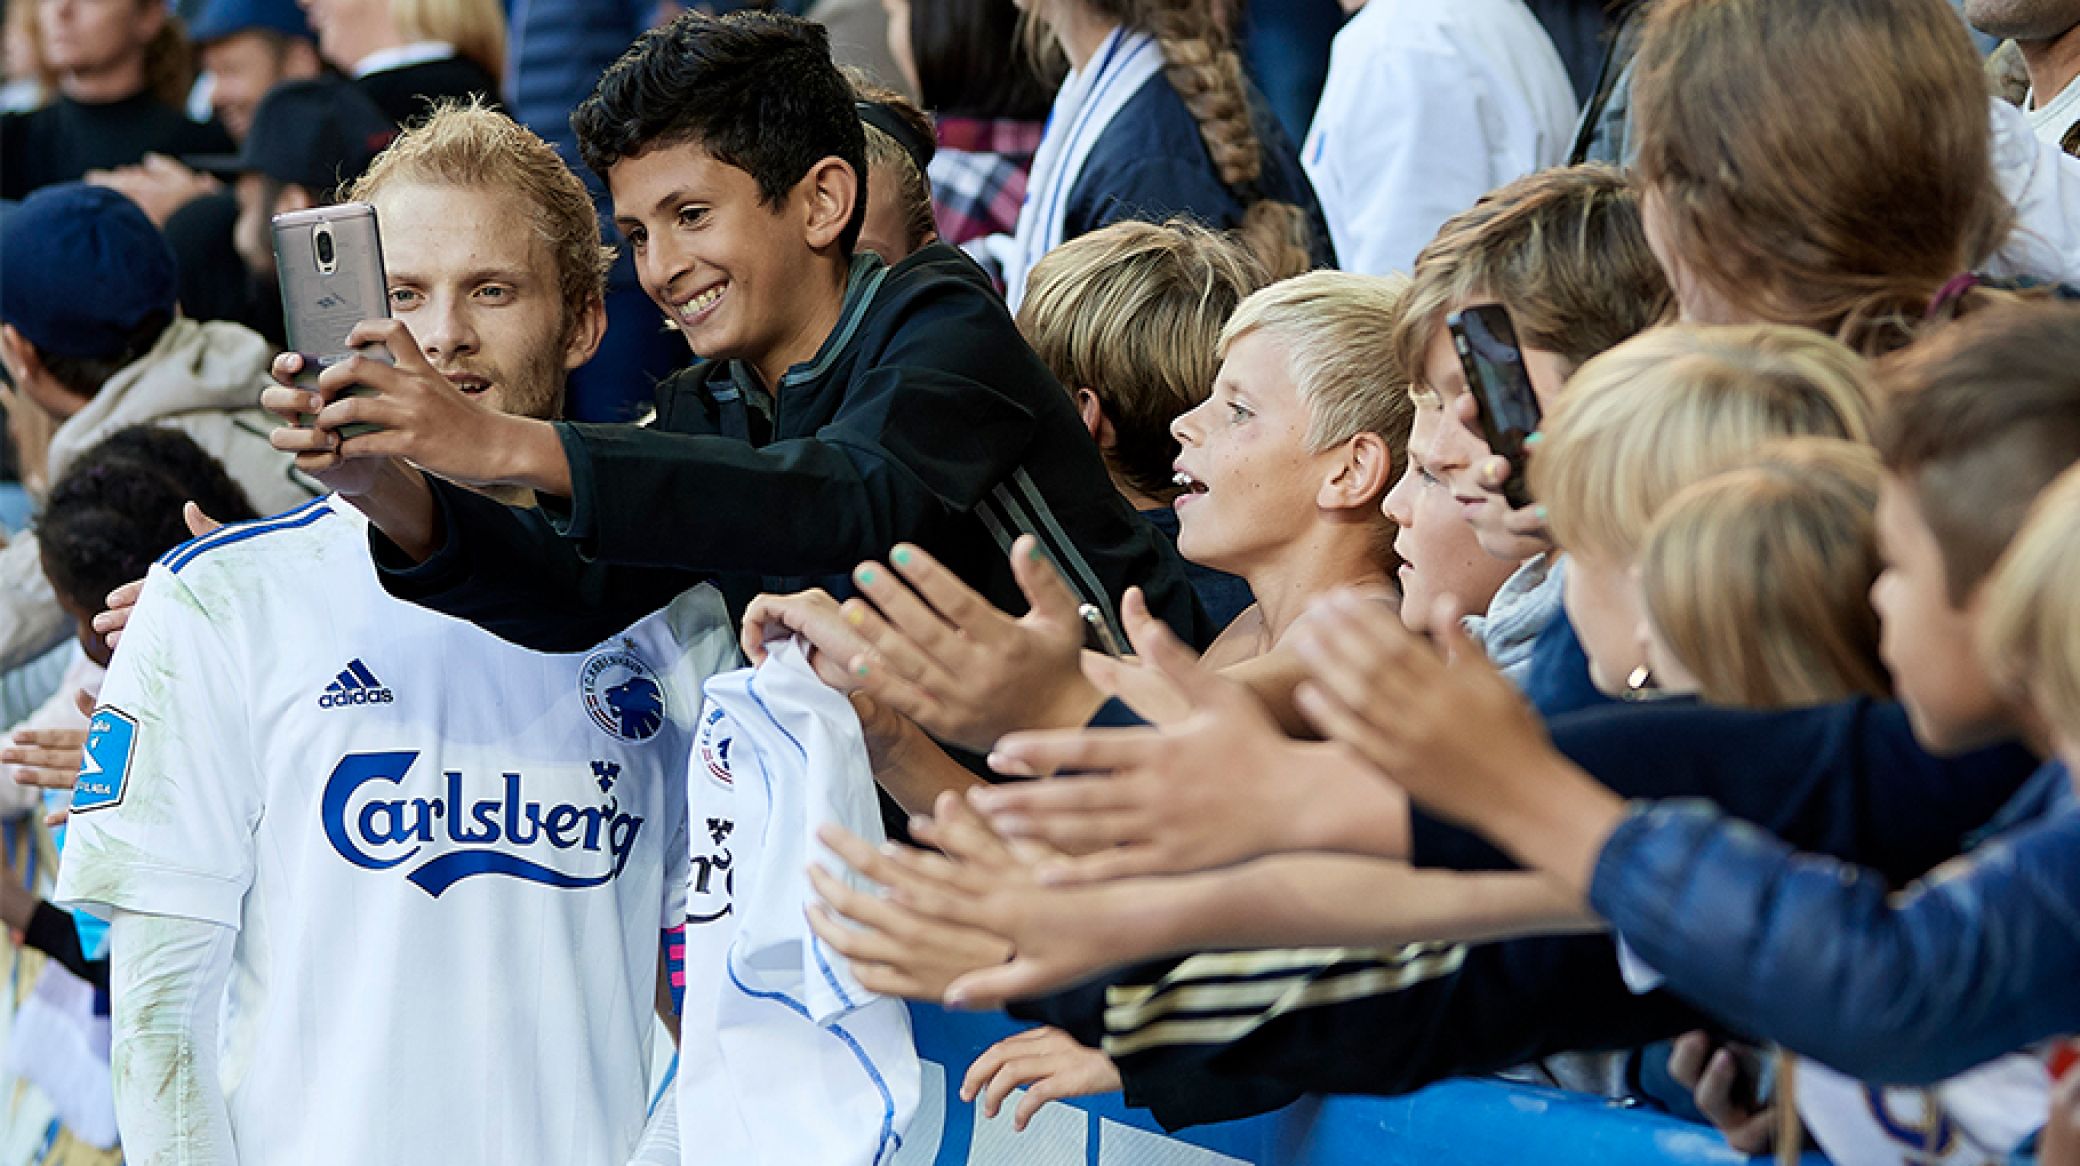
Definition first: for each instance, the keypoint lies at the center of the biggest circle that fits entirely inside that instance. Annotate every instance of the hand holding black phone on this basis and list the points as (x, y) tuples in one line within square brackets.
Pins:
[(1486, 342)]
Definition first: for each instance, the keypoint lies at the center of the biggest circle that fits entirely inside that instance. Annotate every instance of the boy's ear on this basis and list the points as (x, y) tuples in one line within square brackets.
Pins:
[(1095, 421), (1361, 473), (18, 356), (832, 187)]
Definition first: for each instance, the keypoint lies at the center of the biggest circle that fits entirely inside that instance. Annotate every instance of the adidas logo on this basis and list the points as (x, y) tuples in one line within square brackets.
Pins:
[(354, 685)]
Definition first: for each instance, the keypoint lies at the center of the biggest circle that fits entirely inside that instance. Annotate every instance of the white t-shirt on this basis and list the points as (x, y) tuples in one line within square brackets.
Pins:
[(1430, 104), (448, 858), (2053, 118)]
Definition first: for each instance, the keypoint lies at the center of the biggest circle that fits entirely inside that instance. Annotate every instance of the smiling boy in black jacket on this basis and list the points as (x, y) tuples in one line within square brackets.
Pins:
[(839, 406)]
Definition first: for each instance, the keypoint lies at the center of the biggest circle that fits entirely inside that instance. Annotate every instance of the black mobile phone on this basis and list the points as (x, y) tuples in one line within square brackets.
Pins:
[(1487, 346), (329, 261)]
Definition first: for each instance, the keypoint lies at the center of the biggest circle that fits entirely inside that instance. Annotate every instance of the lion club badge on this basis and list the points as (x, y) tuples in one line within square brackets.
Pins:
[(622, 694), (711, 744)]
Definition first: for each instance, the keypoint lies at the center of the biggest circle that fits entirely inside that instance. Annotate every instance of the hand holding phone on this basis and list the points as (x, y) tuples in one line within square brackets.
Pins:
[(329, 262), (1501, 388)]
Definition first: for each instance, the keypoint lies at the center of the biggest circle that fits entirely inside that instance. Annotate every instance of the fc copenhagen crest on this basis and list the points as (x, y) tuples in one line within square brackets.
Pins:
[(622, 694)]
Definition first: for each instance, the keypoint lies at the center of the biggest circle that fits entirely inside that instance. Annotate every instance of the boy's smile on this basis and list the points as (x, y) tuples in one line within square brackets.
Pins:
[(729, 270)]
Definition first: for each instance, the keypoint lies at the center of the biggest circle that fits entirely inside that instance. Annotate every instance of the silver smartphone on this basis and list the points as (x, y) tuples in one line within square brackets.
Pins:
[(329, 261)]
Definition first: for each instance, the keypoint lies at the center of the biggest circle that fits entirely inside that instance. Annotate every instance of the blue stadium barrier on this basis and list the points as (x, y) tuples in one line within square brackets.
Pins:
[(1457, 1123)]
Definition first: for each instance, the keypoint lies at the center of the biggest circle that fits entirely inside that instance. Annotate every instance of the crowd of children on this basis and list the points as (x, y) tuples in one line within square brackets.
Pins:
[(1616, 633)]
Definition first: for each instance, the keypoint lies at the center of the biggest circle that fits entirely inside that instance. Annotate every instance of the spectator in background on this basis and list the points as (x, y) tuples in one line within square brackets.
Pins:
[(1430, 104), (247, 47), (899, 153), (1285, 47), (554, 55), (107, 113), (309, 140), (987, 100), (90, 331), (1129, 319), (115, 510), (2048, 34), (29, 82), (1156, 120), (409, 54), (1855, 204)]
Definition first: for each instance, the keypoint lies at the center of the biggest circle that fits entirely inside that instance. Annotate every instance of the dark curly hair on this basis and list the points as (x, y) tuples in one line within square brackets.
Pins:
[(118, 508), (755, 90)]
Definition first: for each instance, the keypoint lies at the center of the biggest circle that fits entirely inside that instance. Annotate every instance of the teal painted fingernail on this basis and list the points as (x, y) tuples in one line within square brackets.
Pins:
[(1533, 439), (901, 556), (1540, 513), (865, 575), (860, 670)]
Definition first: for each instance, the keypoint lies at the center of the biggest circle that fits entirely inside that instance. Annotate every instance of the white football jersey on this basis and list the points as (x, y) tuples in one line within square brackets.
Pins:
[(448, 858), (784, 1057)]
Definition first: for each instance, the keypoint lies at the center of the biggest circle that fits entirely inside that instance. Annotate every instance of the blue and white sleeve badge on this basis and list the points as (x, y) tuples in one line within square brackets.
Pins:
[(105, 766)]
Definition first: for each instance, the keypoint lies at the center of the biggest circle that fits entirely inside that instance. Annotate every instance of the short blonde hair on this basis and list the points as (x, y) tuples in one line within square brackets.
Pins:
[(1133, 312), (477, 29), (1338, 332), (1758, 579), (474, 147), (2030, 632), (1675, 405)]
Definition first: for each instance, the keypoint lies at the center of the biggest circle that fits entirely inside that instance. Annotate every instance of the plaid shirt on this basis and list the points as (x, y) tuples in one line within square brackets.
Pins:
[(979, 175)]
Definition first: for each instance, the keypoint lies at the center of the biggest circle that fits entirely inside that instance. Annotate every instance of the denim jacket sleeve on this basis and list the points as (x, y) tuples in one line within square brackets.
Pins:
[(1976, 960)]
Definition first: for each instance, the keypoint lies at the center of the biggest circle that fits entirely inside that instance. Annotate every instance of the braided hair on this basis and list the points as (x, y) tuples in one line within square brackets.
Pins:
[(1201, 64), (119, 507)]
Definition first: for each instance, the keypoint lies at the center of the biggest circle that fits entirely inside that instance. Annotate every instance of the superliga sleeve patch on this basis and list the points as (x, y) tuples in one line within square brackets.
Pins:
[(104, 768)]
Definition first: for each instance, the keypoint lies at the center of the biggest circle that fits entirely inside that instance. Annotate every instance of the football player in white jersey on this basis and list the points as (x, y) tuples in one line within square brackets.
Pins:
[(417, 872)]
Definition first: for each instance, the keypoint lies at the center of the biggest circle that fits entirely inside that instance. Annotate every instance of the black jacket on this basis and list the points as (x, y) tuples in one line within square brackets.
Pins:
[(924, 418)]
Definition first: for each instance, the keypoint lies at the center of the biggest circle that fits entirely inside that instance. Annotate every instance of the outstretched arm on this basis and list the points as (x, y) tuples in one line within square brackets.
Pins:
[(1799, 948), (1822, 956)]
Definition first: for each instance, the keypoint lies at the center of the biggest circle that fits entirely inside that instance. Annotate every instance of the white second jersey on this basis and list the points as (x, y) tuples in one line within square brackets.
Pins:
[(448, 858)]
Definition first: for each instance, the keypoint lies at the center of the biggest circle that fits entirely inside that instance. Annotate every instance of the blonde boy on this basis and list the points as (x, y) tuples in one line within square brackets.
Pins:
[(1663, 410)]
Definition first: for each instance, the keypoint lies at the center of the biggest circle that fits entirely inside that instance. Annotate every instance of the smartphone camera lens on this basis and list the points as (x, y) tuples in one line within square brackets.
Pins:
[(322, 247)]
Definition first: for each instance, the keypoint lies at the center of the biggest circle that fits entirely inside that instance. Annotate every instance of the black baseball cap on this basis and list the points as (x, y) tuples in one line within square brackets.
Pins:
[(318, 134)]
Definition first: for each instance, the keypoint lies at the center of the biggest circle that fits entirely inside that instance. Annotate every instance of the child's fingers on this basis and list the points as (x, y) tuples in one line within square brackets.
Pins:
[(929, 633), (1047, 593), (1082, 751), (956, 604)]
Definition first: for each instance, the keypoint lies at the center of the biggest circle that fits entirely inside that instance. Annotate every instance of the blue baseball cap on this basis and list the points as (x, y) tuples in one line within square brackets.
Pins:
[(222, 18), (81, 269)]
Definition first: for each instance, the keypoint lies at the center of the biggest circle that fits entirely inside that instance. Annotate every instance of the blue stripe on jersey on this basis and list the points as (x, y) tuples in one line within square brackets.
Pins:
[(891, 1141), (189, 551)]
